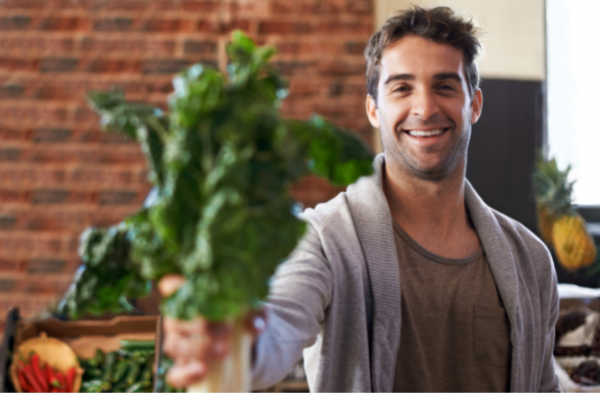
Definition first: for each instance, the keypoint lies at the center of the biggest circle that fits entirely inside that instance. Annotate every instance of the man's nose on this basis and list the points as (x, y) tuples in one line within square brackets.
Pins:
[(424, 104)]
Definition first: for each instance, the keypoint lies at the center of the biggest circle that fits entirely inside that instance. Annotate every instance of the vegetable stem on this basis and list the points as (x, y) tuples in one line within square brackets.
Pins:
[(231, 375)]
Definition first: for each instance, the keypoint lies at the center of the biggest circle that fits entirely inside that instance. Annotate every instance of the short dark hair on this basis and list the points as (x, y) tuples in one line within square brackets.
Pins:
[(440, 24)]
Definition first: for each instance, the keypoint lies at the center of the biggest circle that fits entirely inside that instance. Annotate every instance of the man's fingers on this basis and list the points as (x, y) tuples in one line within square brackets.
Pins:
[(198, 326), (196, 339), (185, 328), (183, 375), (169, 284), (200, 348), (180, 347)]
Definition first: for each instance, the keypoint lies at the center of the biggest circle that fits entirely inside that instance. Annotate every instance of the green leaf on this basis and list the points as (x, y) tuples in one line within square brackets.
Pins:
[(223, 160)]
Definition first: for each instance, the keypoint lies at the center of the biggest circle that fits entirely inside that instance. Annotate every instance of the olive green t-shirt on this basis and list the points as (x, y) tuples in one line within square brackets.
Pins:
[(455, 334)]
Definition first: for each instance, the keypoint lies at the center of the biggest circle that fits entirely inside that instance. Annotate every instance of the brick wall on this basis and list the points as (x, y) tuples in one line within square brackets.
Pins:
[(59, 173)]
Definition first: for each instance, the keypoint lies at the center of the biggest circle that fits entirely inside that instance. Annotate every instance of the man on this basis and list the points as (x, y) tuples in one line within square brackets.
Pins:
[(407, 281)]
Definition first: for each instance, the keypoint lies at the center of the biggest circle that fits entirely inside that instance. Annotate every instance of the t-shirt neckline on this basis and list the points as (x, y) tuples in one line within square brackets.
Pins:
[(431, 256)]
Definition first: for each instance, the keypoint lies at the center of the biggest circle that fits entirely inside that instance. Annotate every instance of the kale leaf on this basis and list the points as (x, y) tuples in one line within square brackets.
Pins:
[(222, 160)]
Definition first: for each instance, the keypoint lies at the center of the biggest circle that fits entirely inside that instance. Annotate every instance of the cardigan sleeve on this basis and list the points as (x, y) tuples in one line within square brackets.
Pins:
[(549, 380), (300, 292)]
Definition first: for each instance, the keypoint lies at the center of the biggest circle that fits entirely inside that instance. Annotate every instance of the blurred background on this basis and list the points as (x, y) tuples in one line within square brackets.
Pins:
[(59, 173)]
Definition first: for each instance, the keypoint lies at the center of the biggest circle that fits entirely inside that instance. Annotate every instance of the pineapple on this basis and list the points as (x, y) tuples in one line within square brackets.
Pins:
[(573, 245), (559, 223), (545, 223)]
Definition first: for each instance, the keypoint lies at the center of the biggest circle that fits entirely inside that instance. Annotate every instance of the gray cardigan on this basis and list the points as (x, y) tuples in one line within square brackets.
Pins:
[(337, 297)]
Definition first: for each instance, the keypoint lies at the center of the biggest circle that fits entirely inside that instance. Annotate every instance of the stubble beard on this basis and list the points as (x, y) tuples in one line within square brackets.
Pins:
[(454, 154)]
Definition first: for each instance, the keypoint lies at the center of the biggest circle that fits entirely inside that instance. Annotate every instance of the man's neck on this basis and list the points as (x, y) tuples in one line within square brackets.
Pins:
[(433, 213)]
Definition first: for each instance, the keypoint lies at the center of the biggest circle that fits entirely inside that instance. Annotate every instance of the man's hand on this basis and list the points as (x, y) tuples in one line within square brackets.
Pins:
[(194, 344)]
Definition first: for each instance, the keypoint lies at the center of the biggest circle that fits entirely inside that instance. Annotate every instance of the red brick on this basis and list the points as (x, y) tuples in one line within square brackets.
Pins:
[(338, 68), (113, 24), (103, 66), (215, 27), (51, 135), (45, 266), (345, 28), (17, 64), (24, 4), (361, 7), (9, 134), (91, 5), (15, 22), (7, 285), (37, 44), (160, 66), (97, 156), (304, 89), (288, 48), (161, 25), (31, 245), (11, 196), (9, 154), (11, 265), (102, 177), (49, 196), (284, 28), (11, 91), (42, 286), (103, 46), (62, 24), (57, 4), (53, 92), (166, 5), (53, 64), (111, 197), (21, 114), (158, 47), (126, 5), (31, 176), (239, 24), (290, 68), (355, 48), (199, 5), (200, 46), (85, 114)]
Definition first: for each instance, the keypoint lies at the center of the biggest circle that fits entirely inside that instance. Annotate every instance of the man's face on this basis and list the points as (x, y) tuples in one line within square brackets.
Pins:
[(424, 111)]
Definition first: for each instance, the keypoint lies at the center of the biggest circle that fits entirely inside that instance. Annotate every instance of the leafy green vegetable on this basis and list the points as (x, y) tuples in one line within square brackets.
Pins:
[(222, 161)]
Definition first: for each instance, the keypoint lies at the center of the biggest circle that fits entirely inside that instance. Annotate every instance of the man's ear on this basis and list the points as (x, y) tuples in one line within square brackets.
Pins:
[(476, 106), (372, 111)]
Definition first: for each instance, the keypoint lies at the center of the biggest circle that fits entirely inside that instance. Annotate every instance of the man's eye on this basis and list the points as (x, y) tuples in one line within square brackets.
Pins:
[(402, 89), (446, 87)]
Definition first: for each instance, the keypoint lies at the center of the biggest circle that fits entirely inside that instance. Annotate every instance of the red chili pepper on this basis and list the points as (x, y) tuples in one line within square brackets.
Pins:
[(70, 379), (29, 376), (35, 361), (63, 381), (54, 383), (23, 382)]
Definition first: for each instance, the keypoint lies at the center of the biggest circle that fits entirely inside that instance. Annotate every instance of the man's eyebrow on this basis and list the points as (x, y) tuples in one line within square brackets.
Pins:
[(399, 77), (437, 77), (447, 75)]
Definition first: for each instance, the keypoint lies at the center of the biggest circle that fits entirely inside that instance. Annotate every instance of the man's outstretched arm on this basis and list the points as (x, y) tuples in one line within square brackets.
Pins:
[(290, 321)]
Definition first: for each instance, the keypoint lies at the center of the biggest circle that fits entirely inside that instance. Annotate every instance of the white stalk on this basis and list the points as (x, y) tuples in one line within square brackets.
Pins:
[(232, 374)]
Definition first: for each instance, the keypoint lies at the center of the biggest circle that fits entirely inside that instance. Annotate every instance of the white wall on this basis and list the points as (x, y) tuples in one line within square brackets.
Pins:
[(513, 33)]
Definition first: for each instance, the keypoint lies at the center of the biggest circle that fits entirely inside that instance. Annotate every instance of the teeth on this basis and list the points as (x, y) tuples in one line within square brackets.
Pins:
[(426, 133)]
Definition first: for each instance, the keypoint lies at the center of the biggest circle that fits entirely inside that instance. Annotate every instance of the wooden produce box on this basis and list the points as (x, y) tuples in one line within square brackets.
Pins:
[(85, 336)]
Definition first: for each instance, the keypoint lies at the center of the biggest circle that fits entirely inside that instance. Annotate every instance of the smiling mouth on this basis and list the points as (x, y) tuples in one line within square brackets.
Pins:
[(429, 133)]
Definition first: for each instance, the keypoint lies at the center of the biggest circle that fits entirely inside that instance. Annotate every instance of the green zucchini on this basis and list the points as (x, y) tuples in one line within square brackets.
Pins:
[(137, 344)]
